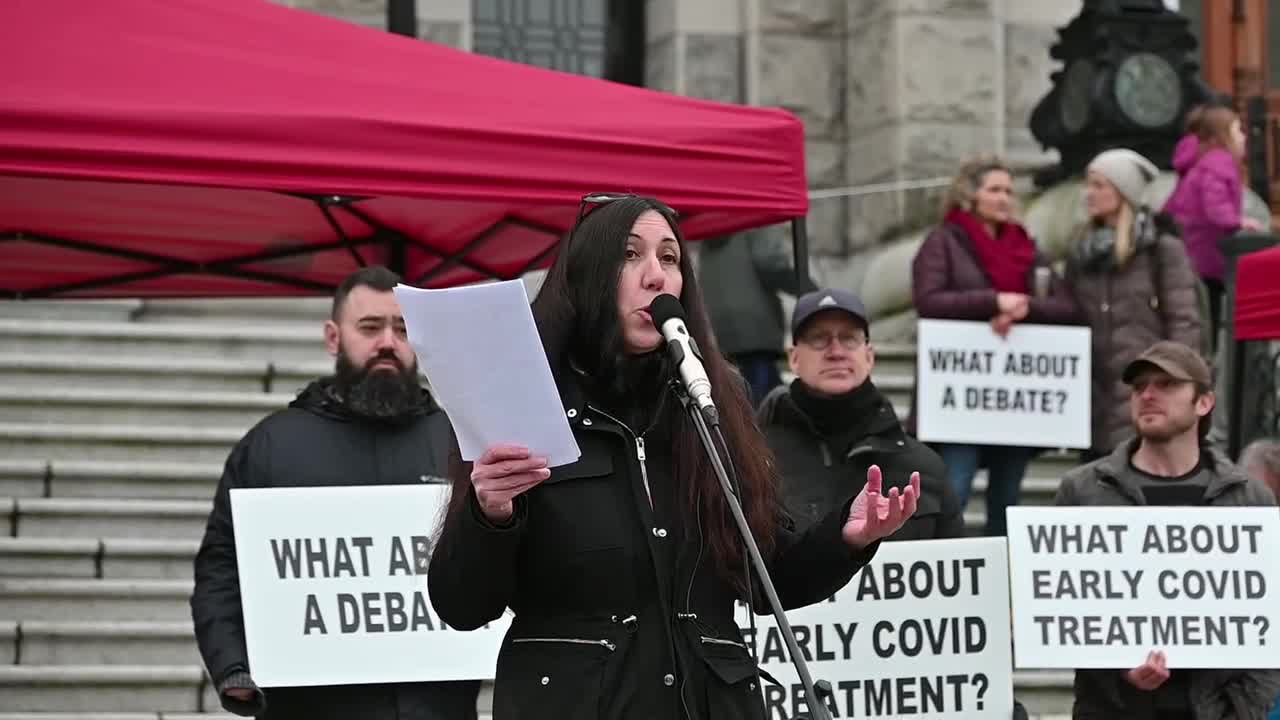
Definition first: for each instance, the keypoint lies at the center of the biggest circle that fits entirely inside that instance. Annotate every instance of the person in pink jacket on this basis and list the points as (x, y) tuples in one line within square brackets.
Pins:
[(1208, 201)]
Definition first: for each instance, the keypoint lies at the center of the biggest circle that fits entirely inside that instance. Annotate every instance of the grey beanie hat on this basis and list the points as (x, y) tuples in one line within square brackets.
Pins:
[(1130, 172)]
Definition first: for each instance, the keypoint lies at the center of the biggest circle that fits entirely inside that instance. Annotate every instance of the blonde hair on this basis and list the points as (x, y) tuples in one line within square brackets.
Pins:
[(1124, 245), (968, 180)]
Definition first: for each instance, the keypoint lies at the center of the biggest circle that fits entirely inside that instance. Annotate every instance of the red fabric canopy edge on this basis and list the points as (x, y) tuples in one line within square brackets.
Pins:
[(246, 95), (1258, 296)]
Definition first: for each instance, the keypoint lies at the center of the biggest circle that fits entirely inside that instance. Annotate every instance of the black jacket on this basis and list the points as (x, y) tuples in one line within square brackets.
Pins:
[(316, 442), (817, 477), (619, 613)]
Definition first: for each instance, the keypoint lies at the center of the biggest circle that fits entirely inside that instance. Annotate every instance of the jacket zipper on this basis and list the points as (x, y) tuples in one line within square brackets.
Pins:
[(719, 641), (572, 641), (640, 455)]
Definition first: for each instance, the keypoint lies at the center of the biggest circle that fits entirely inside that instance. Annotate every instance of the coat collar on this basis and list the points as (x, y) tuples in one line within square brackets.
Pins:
[(1115, 469)]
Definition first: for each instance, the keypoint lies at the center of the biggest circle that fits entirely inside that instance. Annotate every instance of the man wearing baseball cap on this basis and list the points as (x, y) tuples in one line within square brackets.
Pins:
[(831, 425), (1168, 463)]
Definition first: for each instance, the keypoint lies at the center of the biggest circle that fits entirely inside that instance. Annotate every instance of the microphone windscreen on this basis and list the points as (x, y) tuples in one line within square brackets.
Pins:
[(664, 308)]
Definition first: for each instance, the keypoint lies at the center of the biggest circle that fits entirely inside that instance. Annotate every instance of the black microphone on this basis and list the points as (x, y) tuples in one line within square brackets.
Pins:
[(668, 318)]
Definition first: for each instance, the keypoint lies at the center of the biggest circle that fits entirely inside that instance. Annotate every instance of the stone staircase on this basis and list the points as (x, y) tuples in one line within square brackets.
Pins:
[(115, 419)]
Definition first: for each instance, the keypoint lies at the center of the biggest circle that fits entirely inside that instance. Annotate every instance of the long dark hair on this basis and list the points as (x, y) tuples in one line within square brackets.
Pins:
[(577, 316)]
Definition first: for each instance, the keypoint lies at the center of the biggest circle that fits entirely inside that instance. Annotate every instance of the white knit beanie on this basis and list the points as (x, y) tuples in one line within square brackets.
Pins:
[(1130, 172)]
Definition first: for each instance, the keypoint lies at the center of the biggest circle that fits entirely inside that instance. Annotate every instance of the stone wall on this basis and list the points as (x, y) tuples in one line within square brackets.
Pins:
[(930, 83)]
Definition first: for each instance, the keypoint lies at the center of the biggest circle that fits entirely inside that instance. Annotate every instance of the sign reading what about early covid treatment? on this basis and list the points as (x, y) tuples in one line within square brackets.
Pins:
[(1100, 587), (1030, 388), (333, 582), (923, 630)]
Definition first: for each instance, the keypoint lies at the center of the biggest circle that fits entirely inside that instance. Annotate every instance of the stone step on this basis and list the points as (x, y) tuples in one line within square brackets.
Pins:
[(98, 688), (107, 643), (111, 558), (39, 441), (108, 518), (276, 343), (309, 312), (81, 688), (90, 715), (43, 404), (73, 370), (61, 600), (1035, 491), (1044, 693), (104, 479), (91, 310)]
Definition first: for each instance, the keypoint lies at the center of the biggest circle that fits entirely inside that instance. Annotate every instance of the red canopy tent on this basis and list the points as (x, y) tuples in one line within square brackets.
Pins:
[(1258, 296), (237, 147)]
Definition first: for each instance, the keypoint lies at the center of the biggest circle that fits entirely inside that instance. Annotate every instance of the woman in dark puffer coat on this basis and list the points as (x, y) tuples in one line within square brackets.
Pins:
[(1130, 275), (979, 264)]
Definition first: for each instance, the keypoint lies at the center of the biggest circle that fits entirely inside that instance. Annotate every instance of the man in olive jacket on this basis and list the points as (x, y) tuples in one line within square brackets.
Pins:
[(371, 423), (1169, 464), (832, 423)]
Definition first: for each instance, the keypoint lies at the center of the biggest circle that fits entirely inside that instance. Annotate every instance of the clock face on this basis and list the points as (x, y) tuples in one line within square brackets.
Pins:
[(1077, 95), (1148, 90)]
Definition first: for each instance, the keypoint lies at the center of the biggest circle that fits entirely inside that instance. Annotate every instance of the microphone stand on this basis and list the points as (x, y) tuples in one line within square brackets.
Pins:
[(818, 710)]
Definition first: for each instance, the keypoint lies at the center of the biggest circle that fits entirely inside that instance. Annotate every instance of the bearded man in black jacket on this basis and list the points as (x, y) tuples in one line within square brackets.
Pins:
[(370, 423), (832, 423)]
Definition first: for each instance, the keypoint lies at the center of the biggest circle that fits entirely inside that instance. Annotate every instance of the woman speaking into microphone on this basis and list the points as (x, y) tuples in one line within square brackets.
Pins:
[(622, 568)]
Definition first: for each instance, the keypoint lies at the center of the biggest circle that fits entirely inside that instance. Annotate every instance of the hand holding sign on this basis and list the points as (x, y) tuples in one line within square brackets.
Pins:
[(872, 516), (1150, 674), (1015, 305), (502, 473)]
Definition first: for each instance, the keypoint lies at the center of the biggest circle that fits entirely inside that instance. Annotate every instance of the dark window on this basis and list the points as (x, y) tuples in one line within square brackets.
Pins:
[(563, 35), (600, 38)]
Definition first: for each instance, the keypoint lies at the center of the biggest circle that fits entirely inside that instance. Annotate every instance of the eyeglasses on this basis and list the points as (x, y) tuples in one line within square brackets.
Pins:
[(848, 341)]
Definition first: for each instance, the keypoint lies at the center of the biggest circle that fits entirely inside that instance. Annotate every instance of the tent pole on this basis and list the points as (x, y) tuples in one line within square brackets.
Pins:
[(800, 248), (397, 255)]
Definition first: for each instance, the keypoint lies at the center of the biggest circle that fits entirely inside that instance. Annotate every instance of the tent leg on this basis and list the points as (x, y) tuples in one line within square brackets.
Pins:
[(397, 255), (800, 248)]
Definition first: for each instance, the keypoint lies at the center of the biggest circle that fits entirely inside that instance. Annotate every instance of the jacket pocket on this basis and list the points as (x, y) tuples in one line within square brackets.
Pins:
[(732, 679), (551, 676)]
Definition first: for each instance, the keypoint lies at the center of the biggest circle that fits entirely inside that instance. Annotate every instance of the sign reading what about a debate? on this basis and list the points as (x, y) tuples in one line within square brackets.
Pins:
[(1029, 389), (1100, 587), (923, 630), (333, 583)]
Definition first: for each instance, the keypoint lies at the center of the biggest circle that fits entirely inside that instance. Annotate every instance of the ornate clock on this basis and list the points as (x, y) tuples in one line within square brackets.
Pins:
[(1129, 76)]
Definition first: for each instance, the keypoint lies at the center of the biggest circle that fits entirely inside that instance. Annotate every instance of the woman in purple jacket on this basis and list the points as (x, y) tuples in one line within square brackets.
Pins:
[(1208, 201), (979, 264)]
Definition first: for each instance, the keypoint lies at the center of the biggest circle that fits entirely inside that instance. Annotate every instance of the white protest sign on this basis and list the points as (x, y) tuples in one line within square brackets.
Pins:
[(921, 630), (333, 583), (1100, 587), (1030, 388)]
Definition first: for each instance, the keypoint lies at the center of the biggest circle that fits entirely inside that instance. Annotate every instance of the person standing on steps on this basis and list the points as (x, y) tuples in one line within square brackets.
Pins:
[(1168, 463), (980, 264), (371, 422), (832, 423), (1208, 201), (741, 277), (1130, 275)]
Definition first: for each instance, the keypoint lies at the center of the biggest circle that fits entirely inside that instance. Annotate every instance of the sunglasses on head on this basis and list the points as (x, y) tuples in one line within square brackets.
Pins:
[(591, 201)]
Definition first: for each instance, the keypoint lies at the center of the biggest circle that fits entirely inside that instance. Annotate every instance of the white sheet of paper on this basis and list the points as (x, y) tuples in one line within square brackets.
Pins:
[(480, 349)]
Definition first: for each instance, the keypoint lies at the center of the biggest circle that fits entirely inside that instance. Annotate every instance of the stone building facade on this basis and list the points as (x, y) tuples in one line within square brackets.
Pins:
[(890, 91)]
